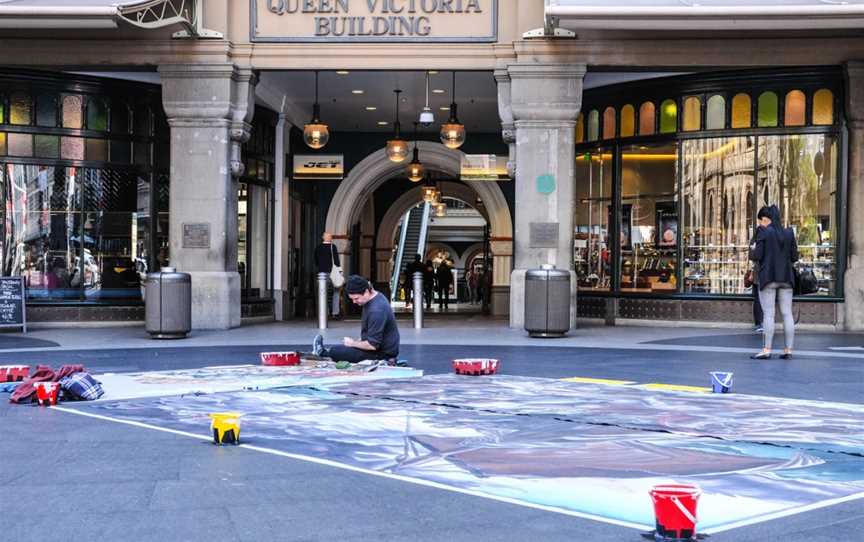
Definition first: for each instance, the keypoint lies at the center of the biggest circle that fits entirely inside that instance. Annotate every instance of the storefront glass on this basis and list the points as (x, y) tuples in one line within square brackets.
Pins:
[(592, 253)]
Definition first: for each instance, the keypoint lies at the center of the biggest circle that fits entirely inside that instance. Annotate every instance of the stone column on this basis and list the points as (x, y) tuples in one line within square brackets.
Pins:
[(282, 224), (545, 101), (502, 261), (209, 107), (853, 308), (383, 256)]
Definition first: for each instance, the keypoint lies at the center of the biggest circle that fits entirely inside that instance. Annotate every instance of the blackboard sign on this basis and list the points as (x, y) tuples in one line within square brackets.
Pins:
[(12, 310)]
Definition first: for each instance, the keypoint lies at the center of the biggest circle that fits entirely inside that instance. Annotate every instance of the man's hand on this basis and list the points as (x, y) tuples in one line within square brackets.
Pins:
[(349, 342)]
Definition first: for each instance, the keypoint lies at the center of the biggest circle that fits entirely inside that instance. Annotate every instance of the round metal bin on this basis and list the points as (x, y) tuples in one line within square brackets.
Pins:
[(547, 302), (168, 304)]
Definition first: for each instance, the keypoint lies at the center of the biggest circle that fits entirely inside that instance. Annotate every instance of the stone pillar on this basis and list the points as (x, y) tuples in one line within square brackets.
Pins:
[(853, 308), (502, 262), (209, 107), (545, 101), (281, 224), (505, 111), (383, 257)]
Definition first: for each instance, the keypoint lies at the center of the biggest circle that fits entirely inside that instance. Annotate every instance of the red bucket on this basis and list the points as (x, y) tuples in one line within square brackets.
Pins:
[(475, 366), (14, 373), (280, 358), (675, 510), (46, 393)]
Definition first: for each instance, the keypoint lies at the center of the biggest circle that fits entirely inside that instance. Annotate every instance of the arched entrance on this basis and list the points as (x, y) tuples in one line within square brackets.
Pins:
[(376, 169)]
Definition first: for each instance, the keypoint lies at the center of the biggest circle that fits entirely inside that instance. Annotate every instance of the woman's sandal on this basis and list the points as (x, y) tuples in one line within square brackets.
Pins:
[(761, 355)]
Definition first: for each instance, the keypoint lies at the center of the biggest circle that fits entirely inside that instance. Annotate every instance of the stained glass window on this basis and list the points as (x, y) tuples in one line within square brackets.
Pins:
[(692, 114), (609, 123), (72, 113), (20, 144), (72, 148), (580, 128), (628, 121), (795, 107), (646, 118), (20, 108), (716, 114), (766, 111), (97, 114), (47, 146), (668, 117), (823, 107), (593, 125), (46, 110), (741, 106)]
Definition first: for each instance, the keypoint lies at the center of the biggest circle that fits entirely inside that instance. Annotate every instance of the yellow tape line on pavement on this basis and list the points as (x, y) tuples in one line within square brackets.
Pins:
[(675, 387), (584, 380), (652, 386)]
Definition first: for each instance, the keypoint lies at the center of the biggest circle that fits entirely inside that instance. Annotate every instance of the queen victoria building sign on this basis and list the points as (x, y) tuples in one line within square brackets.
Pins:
[(350, 21)]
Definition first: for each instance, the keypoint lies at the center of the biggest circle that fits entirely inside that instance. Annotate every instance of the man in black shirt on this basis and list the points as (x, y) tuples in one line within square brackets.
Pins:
[(414, 267), (379, 336)]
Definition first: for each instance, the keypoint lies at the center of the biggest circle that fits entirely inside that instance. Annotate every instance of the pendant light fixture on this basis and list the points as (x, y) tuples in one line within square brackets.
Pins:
[(397, 148), (452, 131), (316, 134), (440, 209), (426, 116), (430, 195), (415, 169)]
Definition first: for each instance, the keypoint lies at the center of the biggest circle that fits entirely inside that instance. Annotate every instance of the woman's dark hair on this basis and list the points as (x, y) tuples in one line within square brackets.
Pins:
[(773, 212), (764, 212)]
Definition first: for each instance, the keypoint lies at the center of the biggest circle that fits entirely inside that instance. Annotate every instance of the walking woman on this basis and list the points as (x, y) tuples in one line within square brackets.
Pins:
[(774, 252)]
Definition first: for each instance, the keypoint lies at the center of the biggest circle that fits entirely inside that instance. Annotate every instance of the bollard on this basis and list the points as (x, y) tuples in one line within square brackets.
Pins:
[(322, 300), (418, 300)]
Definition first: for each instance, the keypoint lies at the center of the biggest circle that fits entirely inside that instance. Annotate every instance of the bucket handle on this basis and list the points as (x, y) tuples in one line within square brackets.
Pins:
[(683, 509)]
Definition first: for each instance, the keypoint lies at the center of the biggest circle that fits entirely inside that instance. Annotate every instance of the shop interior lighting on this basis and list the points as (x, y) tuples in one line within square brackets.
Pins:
[(316, 134), (415, 170)]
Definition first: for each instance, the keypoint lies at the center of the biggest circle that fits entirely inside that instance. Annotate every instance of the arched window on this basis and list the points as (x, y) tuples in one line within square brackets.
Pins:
[(646, 118), (593, 125), (741, 107), (46, 109), (716, 115), (823, 107), (767, 110), (72, 111), (795, 108), (21, 108), (580, 128), (609, 123), (97, 114), (628, 121), (668, 117), (692, 114)]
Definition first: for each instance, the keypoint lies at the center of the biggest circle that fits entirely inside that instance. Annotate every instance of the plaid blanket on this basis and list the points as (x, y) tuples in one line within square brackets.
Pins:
[(81, 386)]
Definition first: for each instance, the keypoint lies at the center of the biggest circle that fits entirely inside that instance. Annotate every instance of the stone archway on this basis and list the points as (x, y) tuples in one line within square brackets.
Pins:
[(374, 170)]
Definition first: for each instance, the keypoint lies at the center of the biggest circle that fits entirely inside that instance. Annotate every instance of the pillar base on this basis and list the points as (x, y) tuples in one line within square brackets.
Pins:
[(500, 300), (215, 299), (853, 307), (517, 299)]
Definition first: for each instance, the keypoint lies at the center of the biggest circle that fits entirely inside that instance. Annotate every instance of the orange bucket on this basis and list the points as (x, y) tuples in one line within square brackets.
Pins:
[(46, 393)]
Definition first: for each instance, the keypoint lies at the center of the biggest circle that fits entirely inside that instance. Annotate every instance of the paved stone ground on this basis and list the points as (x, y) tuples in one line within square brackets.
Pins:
[(69, 475)]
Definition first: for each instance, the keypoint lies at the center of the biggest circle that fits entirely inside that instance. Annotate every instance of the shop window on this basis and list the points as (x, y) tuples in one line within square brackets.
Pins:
[(580, 128), (715, 236), (43, 243), (20, 108), (646, 119), (668, 117), (716, 114), (96, 149), (143, 121), (649, 218), (766, 112), (628, 121), (73, 116), (46, 110), (97, 114), (798, 173), (741, 106), (72, 148), (593, 125), (796, 104), (609, 123), (47, 146), (823, 107), (692, 114), (592, 251), (20, 144)]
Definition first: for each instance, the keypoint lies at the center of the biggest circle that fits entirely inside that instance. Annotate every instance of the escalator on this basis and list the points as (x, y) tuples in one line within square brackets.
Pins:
[(412, 240)]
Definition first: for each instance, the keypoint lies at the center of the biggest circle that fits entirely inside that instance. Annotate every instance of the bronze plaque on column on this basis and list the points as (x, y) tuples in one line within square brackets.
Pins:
[(543, 235), (196, 235)]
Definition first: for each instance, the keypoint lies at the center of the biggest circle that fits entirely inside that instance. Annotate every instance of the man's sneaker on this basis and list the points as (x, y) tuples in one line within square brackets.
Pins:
[(759, 329), (318, 345)]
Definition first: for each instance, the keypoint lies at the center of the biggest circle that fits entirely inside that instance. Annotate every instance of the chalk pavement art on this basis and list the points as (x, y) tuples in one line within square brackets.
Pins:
[(579, 448)]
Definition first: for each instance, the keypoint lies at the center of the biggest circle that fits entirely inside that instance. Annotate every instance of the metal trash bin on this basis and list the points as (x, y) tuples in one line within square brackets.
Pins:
[(168, 304), (547, 302)]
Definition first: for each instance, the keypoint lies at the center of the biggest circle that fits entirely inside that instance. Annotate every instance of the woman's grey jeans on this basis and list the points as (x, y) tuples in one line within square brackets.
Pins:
[(780, 293)]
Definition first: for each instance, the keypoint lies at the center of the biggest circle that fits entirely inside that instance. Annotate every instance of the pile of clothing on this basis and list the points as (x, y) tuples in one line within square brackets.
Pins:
[(76, 384)]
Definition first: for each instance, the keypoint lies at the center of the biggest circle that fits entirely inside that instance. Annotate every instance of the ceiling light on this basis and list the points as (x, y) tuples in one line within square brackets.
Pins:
[(342, 72), (444, 108), (315, 133), (426, 116), (397, 148), (382, 123), (356, 91), (438, 91), (371, 108), (453, 132), (433, 72)]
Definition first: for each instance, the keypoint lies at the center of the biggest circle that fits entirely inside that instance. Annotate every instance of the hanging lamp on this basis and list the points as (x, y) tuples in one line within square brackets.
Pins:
[(315, 133), (426, 115), (397, 148), (440, 209), (452, 131), (415, 170), (430, 192)]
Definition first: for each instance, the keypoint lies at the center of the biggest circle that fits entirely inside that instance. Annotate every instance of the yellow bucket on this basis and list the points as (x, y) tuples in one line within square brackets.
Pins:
[(225, 427)]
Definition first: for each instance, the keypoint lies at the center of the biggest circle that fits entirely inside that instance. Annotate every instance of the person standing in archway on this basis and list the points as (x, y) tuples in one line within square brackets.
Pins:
[(429, 283), (326, 256), (444, 278)]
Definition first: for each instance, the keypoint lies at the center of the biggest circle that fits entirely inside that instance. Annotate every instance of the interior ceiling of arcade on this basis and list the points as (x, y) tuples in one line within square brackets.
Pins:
[(363, 101)]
